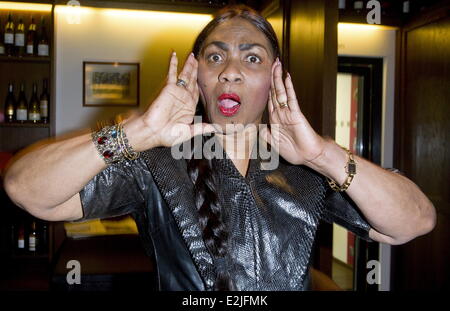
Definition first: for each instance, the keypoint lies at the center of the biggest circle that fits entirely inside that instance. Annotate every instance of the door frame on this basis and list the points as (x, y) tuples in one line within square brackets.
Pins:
[(371, 68)]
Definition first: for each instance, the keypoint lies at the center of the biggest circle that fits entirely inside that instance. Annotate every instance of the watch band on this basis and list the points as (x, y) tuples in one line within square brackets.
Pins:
[(350, 169)]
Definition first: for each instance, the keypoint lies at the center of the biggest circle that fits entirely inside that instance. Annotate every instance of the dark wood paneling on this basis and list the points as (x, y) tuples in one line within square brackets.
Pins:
[(423, 144), (329, 70), (312, 60)]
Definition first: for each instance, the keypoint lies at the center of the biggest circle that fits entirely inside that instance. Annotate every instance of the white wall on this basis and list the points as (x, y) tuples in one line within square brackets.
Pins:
[(342, 137), (110, 35), (373, 41)]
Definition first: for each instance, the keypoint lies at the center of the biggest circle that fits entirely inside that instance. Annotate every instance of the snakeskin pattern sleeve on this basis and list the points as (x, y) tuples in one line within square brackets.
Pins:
[(118, 190)]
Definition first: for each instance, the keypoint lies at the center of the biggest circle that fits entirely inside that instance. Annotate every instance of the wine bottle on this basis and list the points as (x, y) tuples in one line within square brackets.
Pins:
[(43, 242), (43, 46), (32, 238), (10, 104), (22, 108), (31, 38), (13, 236), (34, 114), (405, 7), (358, 6), (21, 238), (9, 36), (44, 102), (2, 45), (19, 39)]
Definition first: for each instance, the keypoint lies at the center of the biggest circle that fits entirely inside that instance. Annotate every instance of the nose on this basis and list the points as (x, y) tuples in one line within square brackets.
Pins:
[(231, 73)]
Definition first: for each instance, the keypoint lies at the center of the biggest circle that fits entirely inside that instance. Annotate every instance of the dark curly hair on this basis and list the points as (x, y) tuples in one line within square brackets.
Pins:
[(215, 232)]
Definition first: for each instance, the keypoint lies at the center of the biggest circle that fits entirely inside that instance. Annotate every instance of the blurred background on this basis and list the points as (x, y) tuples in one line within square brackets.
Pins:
[(382, 90)]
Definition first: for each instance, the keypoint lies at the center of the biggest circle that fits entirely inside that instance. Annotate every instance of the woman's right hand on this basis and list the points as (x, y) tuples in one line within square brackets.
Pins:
[(168, 120)]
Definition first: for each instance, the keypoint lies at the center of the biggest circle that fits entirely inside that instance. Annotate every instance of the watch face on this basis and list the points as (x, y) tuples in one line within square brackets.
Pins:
[(351, 168)]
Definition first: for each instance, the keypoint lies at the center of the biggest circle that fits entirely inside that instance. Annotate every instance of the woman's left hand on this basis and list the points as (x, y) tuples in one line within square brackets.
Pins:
[(290, 134)]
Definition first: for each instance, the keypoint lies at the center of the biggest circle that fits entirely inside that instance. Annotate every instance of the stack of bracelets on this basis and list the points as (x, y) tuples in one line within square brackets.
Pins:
[(112, 144)]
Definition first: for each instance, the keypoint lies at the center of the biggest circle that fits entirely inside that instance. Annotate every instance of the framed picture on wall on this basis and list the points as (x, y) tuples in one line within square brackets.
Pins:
[(110, 84)]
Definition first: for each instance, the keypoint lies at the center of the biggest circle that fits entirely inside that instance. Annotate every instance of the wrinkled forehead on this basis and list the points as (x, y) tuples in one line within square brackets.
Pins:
[(236, 32)]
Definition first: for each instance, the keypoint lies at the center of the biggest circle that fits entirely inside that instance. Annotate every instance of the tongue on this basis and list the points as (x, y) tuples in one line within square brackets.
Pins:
[(228, 103)]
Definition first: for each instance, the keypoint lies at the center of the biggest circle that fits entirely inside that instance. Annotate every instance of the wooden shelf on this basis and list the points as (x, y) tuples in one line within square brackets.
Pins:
[(25, 59), (26, 125), (29, 256)]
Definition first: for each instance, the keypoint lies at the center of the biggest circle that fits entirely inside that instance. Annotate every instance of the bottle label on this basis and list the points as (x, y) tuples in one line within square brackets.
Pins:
[(44, 108), (9, 38), (358, 5), (10, 111), (21, 114), (30, 49), (43, 49), (2, 49), (20, 39), (34, 116), (32, 243), (21, 243)]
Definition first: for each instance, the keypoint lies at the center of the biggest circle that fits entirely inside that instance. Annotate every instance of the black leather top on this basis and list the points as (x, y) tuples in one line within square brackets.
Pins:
[(272, 217)]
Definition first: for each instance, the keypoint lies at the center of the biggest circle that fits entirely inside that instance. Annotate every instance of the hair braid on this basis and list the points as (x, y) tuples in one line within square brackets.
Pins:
[(214, 229)]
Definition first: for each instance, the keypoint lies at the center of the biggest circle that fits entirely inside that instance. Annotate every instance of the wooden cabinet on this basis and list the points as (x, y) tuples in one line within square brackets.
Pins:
[(22, 268), (27, 70)]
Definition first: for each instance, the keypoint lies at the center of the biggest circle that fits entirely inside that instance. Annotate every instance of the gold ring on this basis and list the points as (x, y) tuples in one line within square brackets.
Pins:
[(282, 105)]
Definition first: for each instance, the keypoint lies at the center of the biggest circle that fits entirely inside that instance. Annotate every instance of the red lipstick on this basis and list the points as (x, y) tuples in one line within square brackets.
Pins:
[(232, 96), (229, 104)]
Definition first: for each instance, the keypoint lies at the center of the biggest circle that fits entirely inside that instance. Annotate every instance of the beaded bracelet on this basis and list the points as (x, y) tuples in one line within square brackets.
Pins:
[(112, 144)]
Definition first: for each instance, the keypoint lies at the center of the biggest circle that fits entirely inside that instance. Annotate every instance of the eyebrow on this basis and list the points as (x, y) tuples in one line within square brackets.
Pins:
[(242, 47)]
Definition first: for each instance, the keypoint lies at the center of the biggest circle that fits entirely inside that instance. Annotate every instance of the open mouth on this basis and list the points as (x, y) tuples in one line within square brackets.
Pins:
[(229, 104)]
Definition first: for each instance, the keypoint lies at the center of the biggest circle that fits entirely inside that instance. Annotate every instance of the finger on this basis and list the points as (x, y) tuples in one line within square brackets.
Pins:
[(272, 82), (193, 77), (280, 90), (270, 103), (273, 98), (275, 103), (187, 69), (173, 68), (292, 97), (196, 93)]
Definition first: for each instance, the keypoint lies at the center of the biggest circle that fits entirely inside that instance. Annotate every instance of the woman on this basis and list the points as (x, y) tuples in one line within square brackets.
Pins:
[(222, 223)]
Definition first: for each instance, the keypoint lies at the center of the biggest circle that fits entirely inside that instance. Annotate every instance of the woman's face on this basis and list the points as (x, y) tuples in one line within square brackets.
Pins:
[(234, 73)]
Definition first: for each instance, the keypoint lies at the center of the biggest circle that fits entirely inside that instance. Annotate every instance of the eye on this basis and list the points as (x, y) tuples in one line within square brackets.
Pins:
[(215, 58), (253, 59)]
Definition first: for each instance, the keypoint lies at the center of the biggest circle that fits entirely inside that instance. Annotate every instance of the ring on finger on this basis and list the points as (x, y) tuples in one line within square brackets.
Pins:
[(181, 82), (284, 104)]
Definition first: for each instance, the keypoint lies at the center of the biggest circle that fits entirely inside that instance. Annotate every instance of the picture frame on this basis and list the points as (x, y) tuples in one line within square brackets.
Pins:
[(110, 84)]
